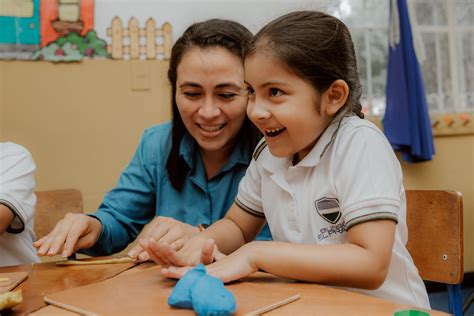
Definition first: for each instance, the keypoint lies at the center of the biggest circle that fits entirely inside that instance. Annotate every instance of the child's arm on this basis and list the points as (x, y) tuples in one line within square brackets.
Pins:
[(234, 230), (362, 262), (6, 217)]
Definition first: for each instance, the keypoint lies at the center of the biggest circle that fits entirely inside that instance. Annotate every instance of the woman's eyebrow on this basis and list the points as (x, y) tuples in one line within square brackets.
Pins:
[(190, 84), (219, 86)]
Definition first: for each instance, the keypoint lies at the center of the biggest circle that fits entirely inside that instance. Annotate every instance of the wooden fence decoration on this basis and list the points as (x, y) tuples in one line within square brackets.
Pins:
[(134, 49)]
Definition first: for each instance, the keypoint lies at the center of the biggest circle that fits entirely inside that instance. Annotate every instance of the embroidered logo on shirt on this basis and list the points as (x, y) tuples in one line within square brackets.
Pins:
[(329, 209), (332, 231)]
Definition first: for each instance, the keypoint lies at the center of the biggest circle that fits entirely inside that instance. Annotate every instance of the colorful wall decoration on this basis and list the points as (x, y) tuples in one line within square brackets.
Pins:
[(134, 42), (73, 47), (61, 17), (19, 28), (55, 30)]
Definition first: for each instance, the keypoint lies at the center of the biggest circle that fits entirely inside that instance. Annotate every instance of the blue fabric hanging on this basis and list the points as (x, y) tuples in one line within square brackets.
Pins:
[(406, 122)]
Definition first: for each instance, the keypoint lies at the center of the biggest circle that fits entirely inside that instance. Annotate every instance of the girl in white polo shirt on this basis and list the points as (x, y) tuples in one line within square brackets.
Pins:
[(326, 181)]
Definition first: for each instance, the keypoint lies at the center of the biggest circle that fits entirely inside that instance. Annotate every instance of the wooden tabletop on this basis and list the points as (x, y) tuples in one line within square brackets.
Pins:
[(47, 278), (116, 289)]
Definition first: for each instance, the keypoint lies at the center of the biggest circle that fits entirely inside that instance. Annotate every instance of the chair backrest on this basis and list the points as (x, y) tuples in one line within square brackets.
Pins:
[(435, 234), (51, 206)]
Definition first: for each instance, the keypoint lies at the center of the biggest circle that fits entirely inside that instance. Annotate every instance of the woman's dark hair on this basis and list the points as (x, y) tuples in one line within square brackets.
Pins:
[(208, 34), (315, 46)]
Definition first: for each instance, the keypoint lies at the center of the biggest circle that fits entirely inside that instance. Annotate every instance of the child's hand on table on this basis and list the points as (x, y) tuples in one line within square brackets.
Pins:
[(180, 253), (239, 264)]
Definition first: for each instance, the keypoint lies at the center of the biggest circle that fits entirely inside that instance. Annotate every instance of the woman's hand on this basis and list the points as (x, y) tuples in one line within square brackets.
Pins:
[(164, 230), (239, 264), (181, 252), (73, 232)]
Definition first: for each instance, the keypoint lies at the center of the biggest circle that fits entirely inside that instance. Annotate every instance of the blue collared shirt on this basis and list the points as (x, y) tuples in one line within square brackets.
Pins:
[(144, 191)]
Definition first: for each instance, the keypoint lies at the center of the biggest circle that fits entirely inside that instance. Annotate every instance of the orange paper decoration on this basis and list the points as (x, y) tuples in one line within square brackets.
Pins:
[(49, 13)]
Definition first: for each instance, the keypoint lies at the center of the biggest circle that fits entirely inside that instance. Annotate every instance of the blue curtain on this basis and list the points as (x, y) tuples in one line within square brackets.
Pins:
[(406, 122)]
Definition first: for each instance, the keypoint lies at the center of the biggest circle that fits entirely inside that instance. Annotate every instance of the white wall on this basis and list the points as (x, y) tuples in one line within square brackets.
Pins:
[(182, 13)]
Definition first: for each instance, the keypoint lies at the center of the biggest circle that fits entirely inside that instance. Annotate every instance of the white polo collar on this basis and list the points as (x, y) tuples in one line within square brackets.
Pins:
[(326, 139)]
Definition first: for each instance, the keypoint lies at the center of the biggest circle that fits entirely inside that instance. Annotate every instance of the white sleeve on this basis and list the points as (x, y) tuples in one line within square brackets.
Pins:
[(368, 177), (249, 196), (17, 184)]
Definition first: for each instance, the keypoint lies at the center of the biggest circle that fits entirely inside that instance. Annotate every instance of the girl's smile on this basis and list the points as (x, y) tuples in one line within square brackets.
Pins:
[(274, 132)]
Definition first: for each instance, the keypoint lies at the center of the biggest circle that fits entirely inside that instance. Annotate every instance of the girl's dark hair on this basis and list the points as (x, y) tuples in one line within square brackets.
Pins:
[(315, 46), (208, 34)]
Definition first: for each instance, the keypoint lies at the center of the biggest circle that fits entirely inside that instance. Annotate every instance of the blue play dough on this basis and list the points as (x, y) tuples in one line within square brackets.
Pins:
[(204, 293), (210, 297), (181, 295)]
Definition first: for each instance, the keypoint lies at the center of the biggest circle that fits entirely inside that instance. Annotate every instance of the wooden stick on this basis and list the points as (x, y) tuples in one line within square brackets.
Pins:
[(68, 307), (273, 306), (4, 281), (106, 261)]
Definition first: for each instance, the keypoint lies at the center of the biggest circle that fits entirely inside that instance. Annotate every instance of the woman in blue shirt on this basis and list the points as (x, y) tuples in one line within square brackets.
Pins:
[(185, 173)]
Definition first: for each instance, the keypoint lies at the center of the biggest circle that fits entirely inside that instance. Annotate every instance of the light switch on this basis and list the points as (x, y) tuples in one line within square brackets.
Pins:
[(140, 71)]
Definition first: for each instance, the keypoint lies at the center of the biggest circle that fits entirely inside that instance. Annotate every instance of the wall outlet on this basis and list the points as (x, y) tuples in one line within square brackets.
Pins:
[(140, 73)]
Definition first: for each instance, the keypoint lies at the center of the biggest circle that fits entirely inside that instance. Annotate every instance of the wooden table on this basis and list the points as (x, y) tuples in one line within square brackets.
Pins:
[(134, 286), (46, 278)]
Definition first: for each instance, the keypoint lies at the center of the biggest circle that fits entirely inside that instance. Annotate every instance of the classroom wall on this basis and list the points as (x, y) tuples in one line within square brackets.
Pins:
[(82, 123)]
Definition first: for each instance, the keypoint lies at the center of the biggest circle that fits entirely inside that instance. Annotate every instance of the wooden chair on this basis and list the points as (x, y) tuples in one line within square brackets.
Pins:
[(435, 239), (51, 206)]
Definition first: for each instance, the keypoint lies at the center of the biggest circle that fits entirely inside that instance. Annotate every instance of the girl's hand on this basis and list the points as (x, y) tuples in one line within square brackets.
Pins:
[(239, 264)]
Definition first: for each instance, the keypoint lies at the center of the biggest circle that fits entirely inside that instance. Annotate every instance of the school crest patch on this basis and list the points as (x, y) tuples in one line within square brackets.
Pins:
[(329, 209)]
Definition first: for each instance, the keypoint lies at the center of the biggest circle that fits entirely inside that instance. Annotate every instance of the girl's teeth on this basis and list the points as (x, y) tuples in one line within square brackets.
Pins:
[(274, 132)]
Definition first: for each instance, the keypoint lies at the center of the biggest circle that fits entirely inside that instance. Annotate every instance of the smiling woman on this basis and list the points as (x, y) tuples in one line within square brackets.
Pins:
[(185, 172), (211, 103)]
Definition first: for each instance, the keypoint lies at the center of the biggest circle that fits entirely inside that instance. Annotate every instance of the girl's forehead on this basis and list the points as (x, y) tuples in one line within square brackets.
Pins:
[(265, 70), (262, 56), (260, 50), (265, 63)]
